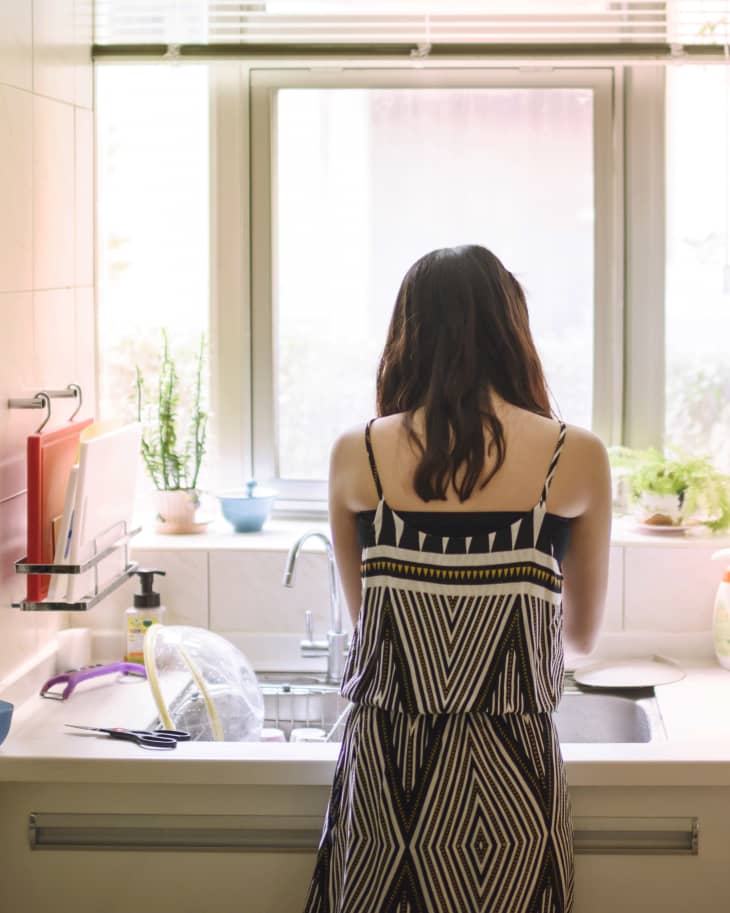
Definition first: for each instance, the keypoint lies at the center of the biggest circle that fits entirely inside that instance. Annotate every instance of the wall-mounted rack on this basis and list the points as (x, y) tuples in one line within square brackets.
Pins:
[(98, 593), (42, 400)]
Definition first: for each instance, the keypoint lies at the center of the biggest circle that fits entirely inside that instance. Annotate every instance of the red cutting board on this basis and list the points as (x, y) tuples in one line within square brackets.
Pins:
[(51, 455)]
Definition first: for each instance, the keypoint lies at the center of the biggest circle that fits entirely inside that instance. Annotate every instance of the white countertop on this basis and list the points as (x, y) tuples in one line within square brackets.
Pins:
[(695, 712)]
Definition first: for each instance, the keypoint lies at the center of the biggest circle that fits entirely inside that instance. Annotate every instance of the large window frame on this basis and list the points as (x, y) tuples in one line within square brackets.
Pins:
[(262, 84), (629, 104)]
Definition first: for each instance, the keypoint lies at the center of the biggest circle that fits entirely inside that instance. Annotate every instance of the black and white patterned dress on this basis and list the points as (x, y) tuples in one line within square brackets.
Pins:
[(449, 794)]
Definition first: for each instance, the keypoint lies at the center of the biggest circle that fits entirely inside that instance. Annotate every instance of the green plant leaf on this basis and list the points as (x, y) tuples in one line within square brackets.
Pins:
[(705, 492), (170, 465)]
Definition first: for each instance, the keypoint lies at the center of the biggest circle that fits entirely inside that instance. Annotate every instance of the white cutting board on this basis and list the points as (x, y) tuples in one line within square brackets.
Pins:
[(105, 488)]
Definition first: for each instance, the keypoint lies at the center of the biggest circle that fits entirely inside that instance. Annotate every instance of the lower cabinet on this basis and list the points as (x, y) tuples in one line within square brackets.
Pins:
[(119, 848), (676, 853), (214, 849)]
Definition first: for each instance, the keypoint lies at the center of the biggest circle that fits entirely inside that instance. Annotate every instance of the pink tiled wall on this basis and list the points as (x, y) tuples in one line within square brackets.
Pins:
[(46, 259)]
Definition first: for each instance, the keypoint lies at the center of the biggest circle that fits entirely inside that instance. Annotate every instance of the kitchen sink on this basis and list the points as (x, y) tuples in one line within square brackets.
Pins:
[(299, 699), (589, 717)]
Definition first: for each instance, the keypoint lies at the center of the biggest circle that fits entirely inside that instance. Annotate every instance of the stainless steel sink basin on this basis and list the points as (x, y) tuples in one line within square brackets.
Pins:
[(588, 717), (299, 699)]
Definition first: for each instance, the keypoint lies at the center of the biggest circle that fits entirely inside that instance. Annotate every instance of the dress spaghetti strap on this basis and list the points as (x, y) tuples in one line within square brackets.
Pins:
[(371, 457), (553, 463)]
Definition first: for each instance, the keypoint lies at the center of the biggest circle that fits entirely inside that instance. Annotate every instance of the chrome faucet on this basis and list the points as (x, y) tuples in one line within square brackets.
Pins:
[(336, 644)]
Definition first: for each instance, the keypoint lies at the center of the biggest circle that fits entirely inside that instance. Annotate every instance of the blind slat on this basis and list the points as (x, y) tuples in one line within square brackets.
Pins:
[(468, 21)]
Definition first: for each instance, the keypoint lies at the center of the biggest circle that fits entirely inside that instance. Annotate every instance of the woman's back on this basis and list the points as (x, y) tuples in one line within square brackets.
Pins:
[(471, 533), (450, 793), (530, 442), (578, 497)]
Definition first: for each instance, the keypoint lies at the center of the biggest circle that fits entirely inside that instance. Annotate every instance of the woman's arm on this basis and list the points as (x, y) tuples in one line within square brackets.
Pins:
[(343, 519), (585, 566)]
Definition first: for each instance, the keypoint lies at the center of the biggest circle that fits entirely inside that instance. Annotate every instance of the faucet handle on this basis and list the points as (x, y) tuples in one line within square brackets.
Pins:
[(309, 647)]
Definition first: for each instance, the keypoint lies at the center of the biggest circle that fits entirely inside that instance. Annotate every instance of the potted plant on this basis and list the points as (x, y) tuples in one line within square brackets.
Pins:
[(670, 491), (173, 466)]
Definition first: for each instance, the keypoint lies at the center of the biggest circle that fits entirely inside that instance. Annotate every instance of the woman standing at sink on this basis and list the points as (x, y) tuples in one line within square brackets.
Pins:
[(471, 532)]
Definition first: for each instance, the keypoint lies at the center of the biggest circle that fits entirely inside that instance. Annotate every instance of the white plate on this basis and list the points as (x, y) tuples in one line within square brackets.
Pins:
[(642, 672), (658, 529)]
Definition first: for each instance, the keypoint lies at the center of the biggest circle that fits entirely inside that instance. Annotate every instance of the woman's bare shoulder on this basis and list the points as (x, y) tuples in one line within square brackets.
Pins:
[(580, 445), (585, 446), (350, 477), (579, 438), (583, 475), (348, 446), (350, 470)]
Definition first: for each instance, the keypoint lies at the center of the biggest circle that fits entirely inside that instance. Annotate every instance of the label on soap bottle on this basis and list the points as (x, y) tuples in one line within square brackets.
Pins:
[(721, 636), (136, 628)]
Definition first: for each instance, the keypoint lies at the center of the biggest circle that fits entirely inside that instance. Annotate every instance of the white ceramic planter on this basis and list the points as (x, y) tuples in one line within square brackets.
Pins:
[(176, 511), (659, 509)]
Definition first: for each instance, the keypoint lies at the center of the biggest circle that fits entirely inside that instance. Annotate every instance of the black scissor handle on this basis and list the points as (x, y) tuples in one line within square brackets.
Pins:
[(178, 735), (143, 739)]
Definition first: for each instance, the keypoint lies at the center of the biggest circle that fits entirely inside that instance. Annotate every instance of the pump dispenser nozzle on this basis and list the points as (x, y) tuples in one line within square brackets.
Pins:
[(147, 598)]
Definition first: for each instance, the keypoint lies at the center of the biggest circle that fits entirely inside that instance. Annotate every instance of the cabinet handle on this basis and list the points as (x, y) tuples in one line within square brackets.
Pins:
[(252, 833), (71, 831), (635, 836)]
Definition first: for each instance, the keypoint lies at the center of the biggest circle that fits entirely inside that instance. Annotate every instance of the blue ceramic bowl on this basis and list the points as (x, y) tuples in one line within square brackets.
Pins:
[(6, 715), (247, 509)]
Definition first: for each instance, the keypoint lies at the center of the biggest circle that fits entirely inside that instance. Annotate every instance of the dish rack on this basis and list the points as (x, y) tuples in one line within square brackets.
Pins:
[(292, 705), (99, 592), (42, 400)]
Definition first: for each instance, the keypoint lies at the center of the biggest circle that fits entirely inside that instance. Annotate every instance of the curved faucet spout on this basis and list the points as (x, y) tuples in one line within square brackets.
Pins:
[(288, 579)]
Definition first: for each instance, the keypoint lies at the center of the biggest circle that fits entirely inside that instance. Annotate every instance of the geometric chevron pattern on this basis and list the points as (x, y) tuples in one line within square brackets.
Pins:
[(449, 794), (445, 814), (435, 649)]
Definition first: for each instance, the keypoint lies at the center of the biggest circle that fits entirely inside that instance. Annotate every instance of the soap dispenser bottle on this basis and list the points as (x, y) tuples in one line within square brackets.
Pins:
[(146, 611), (721, 615)]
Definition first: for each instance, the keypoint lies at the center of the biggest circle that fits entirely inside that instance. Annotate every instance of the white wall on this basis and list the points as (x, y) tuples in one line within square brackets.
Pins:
[(46, 258)]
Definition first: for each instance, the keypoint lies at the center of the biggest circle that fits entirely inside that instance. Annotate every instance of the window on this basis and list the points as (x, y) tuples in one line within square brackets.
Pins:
[(153, 224), (357, 176), (277, 207), (697, 271)]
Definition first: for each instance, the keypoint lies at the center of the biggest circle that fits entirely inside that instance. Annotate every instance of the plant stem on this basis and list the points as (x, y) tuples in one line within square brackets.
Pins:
[(168, 467)]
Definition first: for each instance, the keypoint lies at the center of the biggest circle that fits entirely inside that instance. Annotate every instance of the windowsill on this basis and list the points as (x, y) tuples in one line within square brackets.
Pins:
[(624, 533), (277, 535), (280, 532)]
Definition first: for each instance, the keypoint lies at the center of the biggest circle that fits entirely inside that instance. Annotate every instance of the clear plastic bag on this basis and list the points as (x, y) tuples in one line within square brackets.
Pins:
[(203, 684)]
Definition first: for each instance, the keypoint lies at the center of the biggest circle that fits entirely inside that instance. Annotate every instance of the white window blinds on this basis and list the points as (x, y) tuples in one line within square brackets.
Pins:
[(419, 22)]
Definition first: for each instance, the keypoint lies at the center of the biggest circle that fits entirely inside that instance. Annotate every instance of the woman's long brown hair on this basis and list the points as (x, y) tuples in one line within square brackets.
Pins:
[(459, 331)]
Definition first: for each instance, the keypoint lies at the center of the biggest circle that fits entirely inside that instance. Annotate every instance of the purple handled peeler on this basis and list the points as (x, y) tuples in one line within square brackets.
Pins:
[(74, 676)]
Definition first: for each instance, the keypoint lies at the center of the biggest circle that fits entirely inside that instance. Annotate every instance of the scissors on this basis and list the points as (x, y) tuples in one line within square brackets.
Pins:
[(154, 739)]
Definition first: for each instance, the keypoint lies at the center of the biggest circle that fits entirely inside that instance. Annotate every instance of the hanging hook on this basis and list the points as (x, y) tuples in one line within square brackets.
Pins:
[(45, 400), (76, 389)]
